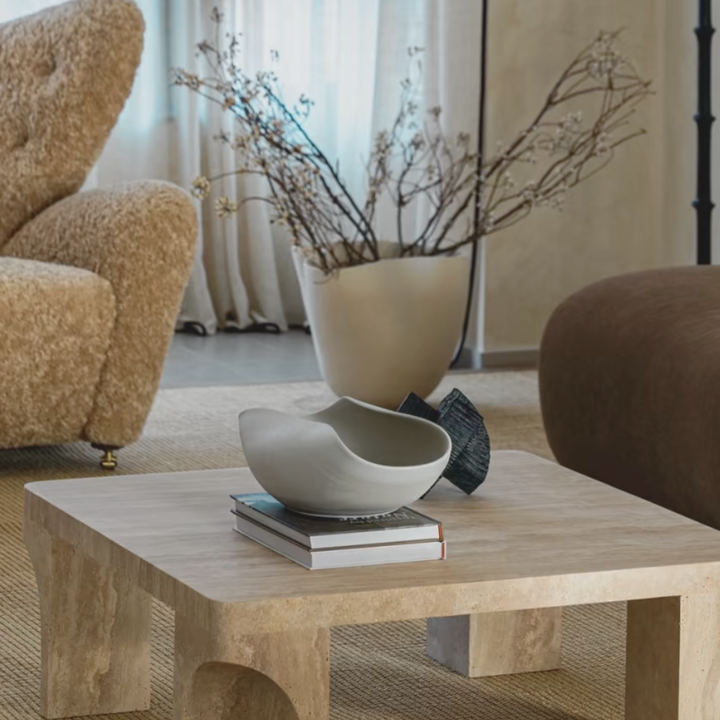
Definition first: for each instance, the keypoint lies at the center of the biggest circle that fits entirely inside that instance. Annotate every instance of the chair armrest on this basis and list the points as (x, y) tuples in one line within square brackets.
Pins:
[(140, 237)]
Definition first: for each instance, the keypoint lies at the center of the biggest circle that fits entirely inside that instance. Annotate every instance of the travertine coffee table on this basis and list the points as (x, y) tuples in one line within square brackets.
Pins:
[(252, 629)]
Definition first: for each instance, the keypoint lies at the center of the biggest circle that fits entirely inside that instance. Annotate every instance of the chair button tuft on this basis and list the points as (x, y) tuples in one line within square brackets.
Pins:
[(23, 138)]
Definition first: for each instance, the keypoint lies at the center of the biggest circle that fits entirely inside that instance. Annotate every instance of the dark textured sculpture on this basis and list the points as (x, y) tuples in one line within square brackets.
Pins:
[(470, 457)]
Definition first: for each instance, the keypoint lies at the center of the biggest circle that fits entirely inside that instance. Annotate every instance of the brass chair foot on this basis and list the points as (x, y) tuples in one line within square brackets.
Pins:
[(108, 461)]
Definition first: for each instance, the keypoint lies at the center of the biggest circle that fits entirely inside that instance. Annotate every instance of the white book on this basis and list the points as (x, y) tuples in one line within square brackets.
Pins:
[(403, 525), (340, 557)]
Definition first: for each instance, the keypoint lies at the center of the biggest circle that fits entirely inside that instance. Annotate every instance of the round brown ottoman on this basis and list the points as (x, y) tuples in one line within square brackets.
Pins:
[(630, 386)]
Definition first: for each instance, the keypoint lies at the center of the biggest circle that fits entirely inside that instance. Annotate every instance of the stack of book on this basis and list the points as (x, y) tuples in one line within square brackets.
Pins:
[(321, 543)]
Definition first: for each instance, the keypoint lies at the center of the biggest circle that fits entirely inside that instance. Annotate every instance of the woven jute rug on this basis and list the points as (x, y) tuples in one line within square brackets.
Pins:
[(379, 672)]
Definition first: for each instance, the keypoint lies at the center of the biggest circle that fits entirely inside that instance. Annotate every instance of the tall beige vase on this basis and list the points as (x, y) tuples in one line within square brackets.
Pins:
[(387, 328)]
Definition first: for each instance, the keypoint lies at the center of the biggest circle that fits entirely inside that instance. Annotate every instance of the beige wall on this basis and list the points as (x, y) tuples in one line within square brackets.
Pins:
[(634, 215)]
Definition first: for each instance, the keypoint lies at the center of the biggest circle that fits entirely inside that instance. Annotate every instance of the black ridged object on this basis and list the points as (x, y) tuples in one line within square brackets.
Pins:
[(470, 456)]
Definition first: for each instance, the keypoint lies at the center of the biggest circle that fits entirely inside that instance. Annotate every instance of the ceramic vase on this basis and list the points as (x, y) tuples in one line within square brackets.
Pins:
[(349, 460), (387, 328)]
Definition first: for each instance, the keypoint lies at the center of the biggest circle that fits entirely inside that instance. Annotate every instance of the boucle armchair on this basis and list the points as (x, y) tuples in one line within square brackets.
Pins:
[(630, 386), (90, 282)]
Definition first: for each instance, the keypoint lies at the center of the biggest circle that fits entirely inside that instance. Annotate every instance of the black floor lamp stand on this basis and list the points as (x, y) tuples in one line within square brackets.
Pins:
[(704, 119), (482, 111)]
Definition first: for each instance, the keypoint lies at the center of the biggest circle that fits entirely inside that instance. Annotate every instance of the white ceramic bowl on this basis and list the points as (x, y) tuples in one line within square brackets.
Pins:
[(349, 460)]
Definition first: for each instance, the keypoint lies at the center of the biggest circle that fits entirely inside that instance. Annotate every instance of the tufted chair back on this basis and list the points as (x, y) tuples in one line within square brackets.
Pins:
[(65, 74)]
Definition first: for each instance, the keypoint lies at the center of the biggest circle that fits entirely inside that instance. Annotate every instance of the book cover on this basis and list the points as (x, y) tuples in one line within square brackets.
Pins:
[(403, 525)]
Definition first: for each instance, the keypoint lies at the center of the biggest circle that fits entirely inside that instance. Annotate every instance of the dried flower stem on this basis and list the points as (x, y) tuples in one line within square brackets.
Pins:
[(415, 160)]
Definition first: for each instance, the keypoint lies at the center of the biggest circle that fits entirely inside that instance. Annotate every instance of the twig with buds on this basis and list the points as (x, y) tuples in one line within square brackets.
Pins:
[(415, 160)]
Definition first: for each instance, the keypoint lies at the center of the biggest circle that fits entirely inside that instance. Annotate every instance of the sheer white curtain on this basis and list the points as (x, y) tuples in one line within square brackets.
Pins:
[(347, 55), (13, 9)]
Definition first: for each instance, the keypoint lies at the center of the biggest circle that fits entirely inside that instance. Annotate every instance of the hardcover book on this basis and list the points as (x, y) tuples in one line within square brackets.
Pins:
[(340, 557), (402, 526)]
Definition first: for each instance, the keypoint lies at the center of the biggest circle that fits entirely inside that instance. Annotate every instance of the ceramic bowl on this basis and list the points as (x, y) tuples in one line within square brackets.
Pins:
[(349, 460)]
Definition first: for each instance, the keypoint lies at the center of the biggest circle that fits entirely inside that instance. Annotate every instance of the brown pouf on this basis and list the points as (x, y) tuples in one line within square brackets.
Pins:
[(630, 386)]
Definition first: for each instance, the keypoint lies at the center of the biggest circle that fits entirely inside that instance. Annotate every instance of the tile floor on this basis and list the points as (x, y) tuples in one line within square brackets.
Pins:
[(242, 359), (239, 359)]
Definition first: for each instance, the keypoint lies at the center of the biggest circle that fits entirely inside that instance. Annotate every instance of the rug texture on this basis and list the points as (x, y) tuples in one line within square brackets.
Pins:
[(379, 672)]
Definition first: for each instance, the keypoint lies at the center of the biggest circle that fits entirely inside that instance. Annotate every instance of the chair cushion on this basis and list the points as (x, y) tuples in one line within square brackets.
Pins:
[(65, 73), (55, 324)]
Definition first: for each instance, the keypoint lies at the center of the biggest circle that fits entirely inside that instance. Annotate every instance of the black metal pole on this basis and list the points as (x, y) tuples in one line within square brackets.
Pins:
[(704, 119), (482, 112)]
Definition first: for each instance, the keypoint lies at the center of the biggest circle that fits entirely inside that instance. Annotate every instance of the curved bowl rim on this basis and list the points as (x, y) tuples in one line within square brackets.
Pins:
[(410, 418)]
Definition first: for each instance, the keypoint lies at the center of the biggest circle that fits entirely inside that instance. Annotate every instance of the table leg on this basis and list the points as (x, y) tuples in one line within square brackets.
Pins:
[(502, 643), (95, 637), (673, 659), (222, 674)]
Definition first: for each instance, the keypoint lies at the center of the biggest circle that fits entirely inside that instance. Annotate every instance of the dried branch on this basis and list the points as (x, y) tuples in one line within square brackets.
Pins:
[(414, 160)]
